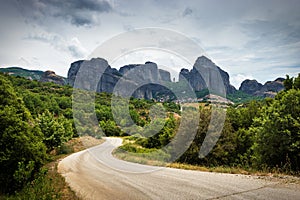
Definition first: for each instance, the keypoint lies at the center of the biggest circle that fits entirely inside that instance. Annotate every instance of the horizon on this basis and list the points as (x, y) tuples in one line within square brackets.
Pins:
[(249, 39)]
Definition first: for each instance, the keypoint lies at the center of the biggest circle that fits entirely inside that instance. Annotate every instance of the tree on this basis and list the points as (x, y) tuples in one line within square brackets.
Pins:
[(21, 149), (278, 132), (292, 83), (288, 82), (241, 120), (297, 82), (56, 130), (110, 128)]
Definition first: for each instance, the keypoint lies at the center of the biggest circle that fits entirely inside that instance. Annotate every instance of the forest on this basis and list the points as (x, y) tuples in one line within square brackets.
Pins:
[(37, 118)]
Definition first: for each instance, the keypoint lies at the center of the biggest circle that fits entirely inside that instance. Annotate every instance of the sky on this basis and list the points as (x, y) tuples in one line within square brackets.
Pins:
[(250, 39)]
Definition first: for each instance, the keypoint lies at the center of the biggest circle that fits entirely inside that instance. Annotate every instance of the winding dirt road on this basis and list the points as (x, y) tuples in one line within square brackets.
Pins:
[(95, 174)]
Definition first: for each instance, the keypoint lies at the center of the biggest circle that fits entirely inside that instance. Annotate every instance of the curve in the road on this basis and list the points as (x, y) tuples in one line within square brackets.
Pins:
[(95, 174)]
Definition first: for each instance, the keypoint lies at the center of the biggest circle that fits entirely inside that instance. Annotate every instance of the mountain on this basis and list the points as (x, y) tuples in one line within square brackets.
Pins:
[(250, 86), (48, 76), (17, 71), (148, 79), (142, 74), (203, 69), (269, 89), (151, 82)]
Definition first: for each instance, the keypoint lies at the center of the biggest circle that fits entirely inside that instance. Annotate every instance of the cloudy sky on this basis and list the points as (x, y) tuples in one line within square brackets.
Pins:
[(249, 39)]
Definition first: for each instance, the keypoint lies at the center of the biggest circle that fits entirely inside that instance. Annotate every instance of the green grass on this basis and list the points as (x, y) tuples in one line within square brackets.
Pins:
[(132, 152), (154, 159)]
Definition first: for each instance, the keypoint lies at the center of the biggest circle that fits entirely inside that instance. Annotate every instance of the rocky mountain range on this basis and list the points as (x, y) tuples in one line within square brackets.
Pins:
[(204, 74), (269, 89), (150, 81), (140, 73)]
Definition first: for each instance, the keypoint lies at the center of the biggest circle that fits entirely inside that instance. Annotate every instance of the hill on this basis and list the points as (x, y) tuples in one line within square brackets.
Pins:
[(47, 76), (18, 71)]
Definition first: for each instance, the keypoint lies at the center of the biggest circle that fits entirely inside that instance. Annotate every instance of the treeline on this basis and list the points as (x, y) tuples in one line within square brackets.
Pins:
[(259, 135)]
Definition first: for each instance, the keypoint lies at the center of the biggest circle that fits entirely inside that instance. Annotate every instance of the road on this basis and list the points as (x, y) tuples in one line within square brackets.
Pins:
[(95, 174)]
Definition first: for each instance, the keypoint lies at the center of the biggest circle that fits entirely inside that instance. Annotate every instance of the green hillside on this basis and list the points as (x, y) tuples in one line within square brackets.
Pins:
[(17, 71)]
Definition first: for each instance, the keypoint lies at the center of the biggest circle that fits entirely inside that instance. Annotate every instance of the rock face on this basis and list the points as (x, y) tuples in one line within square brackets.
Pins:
[(50, 76), (87, 74), (147, 81), (269, 89), (73, 71), (108, 80), (250, 86), (164, 75), (206, 74), (142, 79)]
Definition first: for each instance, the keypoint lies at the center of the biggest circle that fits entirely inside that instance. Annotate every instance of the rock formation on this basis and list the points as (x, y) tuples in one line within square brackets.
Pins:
[(75, 66), (269, 89), (206, 74), (146, 80), (250, 86), (50, 76), (142, 79)]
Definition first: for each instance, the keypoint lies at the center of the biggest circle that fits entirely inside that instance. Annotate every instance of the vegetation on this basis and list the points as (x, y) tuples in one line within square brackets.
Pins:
[(241, 97), (16, 71), (22, 149), (257, 135), (36, 119)]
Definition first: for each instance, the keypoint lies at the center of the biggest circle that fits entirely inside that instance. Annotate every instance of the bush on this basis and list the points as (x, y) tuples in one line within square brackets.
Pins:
[(21, 149), (65, 149)]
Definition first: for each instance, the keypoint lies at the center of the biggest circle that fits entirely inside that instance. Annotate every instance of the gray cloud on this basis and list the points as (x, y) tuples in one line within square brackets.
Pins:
[(77, 12), (254, 38), (274, 32), (73, 46), (75, 51), (187, 11)]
